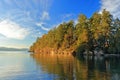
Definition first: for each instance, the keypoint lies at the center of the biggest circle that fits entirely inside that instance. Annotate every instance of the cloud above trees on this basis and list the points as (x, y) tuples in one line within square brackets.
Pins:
[(111, 5)]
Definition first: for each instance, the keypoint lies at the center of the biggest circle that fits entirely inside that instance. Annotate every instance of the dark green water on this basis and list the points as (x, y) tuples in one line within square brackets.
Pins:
[(22, 66)]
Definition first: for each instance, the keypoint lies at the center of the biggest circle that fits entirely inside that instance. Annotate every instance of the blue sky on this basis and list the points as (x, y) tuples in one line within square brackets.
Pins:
[(22, 21)]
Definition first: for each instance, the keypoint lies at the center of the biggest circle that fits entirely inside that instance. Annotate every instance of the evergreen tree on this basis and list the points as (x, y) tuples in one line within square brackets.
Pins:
[(99, 32)]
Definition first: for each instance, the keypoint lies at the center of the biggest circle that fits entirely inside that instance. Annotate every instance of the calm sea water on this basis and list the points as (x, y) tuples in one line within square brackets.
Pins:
[(18, 65)]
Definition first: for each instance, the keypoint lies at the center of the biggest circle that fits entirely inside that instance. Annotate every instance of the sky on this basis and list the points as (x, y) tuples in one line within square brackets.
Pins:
[(22, 21)]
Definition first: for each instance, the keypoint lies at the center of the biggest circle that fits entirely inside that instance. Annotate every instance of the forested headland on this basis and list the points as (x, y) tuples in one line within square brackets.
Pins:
[(100, 32)]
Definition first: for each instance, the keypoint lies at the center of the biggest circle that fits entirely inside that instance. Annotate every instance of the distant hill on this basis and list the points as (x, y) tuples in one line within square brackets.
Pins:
[(13, 49)]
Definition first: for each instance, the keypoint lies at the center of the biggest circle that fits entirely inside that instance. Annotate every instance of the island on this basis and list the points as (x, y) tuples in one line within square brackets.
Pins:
[(97, 35)]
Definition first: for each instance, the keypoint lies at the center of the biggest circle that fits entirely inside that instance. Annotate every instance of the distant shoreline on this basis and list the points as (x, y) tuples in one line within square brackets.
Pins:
[(12, 49)]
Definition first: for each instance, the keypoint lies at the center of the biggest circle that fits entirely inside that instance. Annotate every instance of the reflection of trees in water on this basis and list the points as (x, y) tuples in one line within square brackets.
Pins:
[(113, 66), (60, 65), (70, 68), (95, 68)]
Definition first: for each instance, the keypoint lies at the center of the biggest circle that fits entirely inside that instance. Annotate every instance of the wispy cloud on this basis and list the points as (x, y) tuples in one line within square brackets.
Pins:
[(111, 5), (45, 4), (24, 14), (42, 26), (45, 16), (18, 20), (12, 30)]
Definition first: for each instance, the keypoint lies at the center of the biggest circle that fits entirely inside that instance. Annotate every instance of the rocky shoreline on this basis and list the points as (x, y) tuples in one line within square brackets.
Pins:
[(53, 51)]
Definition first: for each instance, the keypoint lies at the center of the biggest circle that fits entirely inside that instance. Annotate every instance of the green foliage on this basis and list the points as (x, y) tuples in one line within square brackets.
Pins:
[(100, 31)]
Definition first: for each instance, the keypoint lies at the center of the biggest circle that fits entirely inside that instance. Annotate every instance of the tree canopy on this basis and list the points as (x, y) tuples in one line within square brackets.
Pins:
[(99, 32)]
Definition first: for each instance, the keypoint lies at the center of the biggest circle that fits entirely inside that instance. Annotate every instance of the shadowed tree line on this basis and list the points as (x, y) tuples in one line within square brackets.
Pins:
[(99, 32)]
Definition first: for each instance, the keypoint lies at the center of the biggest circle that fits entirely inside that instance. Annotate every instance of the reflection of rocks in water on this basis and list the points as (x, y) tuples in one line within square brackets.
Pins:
[(68, 67)]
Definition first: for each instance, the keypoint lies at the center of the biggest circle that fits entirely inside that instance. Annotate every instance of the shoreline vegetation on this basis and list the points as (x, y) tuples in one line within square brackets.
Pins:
[(97, 35)]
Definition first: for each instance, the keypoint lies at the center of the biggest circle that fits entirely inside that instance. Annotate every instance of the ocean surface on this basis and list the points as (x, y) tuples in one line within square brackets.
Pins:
[(20, 65)]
